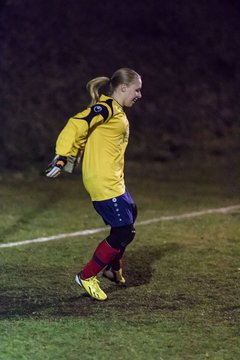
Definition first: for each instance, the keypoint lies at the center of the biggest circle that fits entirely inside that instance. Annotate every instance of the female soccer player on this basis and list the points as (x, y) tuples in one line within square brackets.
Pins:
[(102, 131)]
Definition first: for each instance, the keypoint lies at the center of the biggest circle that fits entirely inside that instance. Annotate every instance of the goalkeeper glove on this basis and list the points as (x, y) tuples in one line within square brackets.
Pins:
[(55, 167)]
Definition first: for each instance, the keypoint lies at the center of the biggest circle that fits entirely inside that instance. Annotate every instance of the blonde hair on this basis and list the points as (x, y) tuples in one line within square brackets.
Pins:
[(121, 76)]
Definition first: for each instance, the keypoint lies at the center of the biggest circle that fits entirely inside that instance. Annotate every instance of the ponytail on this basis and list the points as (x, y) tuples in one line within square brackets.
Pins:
[(93, 87)]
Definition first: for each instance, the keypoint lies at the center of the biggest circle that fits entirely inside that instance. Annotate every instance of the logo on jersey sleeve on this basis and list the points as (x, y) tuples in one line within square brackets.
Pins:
[(97, 109)]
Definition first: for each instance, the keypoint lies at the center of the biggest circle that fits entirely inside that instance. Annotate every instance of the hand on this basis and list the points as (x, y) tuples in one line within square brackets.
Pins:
[(55, 167)]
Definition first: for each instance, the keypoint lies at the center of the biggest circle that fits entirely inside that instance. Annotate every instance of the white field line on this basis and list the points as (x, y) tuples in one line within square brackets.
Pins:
[(189, 215)]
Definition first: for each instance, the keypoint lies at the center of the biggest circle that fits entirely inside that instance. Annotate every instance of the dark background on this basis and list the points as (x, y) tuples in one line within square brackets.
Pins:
[(186, 51)]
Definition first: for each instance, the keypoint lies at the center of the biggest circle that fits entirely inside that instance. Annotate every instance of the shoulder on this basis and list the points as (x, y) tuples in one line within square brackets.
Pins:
[(106, 103)]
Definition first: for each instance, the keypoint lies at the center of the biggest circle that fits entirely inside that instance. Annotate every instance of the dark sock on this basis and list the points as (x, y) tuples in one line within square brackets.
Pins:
[(116, 264)]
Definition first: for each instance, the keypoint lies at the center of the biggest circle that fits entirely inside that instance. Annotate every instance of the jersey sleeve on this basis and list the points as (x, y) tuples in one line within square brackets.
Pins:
[(74, 135)]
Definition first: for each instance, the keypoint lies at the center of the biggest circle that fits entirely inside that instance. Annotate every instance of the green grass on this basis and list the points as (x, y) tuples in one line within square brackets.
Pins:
[(182, 297)]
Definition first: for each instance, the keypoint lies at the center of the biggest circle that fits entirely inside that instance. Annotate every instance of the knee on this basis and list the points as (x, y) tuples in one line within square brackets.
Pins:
[(120, 237)]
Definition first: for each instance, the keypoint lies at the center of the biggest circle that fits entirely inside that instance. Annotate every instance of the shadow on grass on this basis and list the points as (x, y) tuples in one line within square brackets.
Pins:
[(138, 264), (39, 302), (28, 307)]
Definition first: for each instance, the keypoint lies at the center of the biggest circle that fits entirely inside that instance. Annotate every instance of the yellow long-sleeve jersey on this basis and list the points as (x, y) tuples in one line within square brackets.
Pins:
[(102, 131)]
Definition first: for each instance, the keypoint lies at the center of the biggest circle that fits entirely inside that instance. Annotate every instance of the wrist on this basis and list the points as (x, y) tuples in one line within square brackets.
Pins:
[(61, 160)]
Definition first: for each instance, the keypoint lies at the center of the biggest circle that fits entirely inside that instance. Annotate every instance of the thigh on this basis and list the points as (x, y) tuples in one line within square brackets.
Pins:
[(118, 211)]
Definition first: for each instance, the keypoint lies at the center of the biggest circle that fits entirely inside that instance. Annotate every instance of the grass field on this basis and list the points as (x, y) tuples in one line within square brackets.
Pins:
[(182, 296)]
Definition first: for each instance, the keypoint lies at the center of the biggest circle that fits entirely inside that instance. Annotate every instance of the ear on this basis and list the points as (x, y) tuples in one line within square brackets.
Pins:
[(123, 87)]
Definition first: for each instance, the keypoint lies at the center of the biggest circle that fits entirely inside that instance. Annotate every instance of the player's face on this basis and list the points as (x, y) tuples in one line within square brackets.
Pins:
[(132, 92)]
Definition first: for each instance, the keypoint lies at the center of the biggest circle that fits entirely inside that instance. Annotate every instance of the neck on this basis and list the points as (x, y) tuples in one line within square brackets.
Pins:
[(117, 97)]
